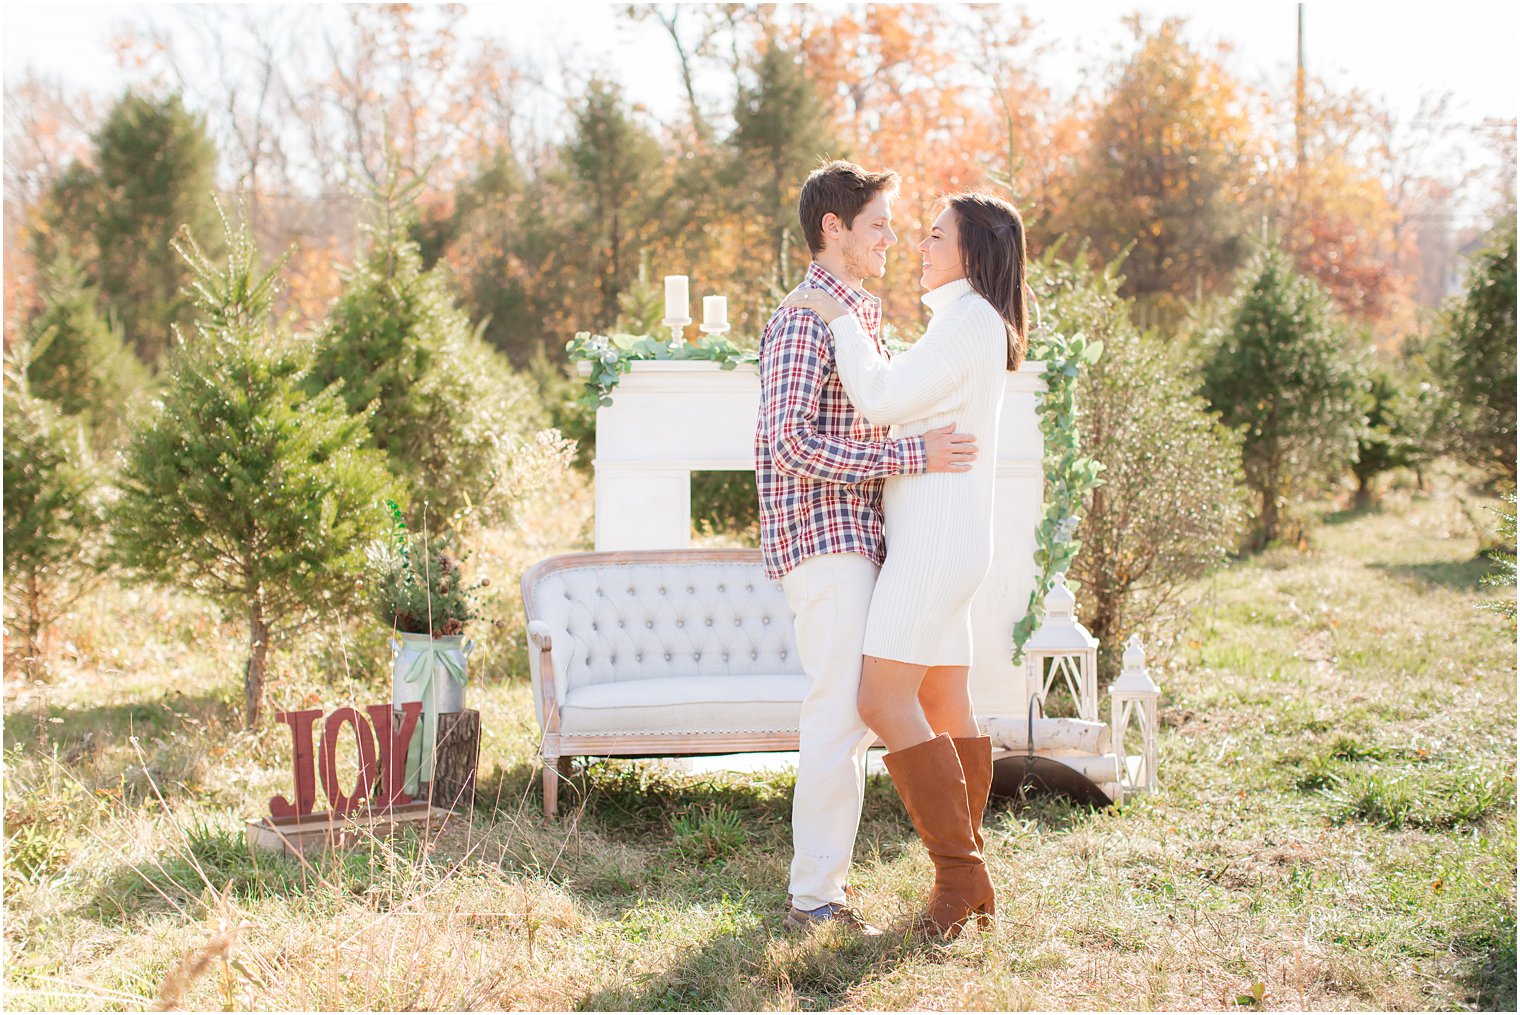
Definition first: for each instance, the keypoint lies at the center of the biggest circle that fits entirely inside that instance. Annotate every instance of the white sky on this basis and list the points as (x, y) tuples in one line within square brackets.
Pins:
[(1397, 51)]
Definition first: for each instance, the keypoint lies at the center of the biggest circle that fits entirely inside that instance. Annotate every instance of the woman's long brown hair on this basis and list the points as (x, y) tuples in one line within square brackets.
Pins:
[(992, 249)]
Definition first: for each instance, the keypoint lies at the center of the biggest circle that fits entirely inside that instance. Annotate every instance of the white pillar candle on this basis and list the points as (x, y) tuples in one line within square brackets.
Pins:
[(676, 305), (714, 310)]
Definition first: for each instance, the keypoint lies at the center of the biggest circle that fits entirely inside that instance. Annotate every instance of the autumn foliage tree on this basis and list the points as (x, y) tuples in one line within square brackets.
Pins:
[(1331, 210), (1166, 173), (891, 77), (1032, 136)]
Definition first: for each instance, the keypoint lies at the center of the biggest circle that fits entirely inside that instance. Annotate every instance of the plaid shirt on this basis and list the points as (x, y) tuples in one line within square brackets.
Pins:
[(818, 464)]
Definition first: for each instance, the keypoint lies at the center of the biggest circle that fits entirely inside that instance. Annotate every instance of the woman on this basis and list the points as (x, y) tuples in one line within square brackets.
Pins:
[(915, 679)]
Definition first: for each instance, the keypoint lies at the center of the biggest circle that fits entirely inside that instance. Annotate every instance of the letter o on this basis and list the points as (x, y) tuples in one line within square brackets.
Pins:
[(369, 767)]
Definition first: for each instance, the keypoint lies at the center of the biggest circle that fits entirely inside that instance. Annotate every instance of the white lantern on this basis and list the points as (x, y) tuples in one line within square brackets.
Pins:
[(1062, 652), (1135, 696)]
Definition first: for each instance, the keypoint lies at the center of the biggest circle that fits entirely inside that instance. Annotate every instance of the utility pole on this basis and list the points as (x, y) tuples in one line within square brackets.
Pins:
[(1298, 132), (1298, 112)]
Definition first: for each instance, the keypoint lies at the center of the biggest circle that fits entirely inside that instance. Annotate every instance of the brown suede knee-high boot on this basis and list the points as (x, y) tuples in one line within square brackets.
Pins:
[(929, 779), (976, 762)]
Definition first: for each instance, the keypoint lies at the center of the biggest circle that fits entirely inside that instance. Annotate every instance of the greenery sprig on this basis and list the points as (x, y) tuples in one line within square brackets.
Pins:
[(611, 357), (399, 535), (1069, 475)]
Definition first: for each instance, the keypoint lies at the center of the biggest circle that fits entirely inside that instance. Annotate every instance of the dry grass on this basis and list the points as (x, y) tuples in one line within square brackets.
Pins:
[(1337, 825)]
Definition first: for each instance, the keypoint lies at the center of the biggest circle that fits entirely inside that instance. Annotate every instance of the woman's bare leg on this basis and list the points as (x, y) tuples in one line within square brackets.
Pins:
[(945, 696), (888, 702)]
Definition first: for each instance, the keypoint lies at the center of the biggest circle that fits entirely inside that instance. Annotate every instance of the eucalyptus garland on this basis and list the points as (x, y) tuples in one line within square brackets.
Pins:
[(611, 357), (1069, 475)]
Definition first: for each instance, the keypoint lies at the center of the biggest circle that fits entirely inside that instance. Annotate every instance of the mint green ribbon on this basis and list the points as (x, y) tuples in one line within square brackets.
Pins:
[(423, 672)]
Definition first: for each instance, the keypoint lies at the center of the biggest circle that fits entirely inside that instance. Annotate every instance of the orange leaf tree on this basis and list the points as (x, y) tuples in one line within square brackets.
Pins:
[(1169, 168)]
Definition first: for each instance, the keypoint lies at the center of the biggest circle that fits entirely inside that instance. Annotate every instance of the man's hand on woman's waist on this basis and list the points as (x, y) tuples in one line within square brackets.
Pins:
[(948, 451)]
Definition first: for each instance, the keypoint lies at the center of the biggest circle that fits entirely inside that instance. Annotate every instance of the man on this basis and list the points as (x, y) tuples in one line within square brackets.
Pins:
[(819, 468)]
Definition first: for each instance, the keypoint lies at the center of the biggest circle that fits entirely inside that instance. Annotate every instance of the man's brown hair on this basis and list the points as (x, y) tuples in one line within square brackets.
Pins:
[(842, 188)]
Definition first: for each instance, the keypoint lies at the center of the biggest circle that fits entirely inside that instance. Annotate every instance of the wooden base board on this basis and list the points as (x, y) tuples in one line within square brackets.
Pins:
[(325, 831)]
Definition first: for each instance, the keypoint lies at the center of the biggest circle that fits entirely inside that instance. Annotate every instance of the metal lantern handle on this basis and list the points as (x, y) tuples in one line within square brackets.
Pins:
[(1027, 781), (1035, 704), (1022, 778)]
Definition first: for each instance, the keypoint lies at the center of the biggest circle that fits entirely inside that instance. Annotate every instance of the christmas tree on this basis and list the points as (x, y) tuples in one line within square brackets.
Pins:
[(248, 488)]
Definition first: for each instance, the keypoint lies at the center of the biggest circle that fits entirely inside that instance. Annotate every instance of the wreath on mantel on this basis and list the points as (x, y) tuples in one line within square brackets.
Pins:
[(1069, 475)]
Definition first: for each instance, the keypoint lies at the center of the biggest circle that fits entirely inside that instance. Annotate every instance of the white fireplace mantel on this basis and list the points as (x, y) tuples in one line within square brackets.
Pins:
[(671, 418)]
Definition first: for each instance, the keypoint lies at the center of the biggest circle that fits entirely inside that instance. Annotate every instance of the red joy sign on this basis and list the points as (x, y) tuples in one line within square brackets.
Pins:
[(388, 765)]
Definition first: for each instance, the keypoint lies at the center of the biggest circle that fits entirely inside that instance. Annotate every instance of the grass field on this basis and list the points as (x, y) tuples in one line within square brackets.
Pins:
[(1335, 830)]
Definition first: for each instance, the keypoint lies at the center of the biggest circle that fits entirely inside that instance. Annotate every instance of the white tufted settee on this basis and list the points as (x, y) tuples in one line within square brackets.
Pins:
[(659, 652)]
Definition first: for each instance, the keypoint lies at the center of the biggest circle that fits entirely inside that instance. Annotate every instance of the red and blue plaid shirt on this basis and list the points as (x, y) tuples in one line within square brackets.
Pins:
[(819, 465)]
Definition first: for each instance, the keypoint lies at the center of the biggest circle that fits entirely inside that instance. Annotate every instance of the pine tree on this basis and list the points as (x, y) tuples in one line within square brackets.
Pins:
[(53, 516), (1503, 556), (445, 406), (641, 306), (1400, 413), (153, 170), (1281, 375), (778, 138), (499, 220), (246, 487), (1475, 361), (612, 163), (79, 361)]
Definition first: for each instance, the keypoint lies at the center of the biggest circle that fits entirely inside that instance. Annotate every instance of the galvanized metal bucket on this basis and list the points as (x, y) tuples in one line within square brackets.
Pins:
[(430, 670)]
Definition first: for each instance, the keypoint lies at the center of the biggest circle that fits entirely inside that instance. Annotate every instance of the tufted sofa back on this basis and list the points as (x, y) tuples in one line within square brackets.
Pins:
[(637, 615)]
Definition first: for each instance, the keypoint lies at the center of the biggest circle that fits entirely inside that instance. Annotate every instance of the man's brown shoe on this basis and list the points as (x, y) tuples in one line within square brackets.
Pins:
[(830, 912), (851, 893)]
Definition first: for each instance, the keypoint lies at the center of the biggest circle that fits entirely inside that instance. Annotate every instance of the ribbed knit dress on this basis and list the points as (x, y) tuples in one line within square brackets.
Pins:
[(938, 525)]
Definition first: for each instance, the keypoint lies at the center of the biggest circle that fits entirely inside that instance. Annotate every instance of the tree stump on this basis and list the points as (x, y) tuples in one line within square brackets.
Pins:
[(454, 758)]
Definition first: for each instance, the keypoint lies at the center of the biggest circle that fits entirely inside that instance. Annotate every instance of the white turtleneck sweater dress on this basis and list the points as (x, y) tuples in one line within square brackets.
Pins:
[(938, 525)]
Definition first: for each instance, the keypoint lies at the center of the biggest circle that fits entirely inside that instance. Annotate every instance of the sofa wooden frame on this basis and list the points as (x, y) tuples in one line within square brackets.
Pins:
[(558, 748)]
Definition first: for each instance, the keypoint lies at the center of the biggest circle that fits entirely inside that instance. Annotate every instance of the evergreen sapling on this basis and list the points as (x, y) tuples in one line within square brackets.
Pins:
[(246, 487), (54, 524), (1475, 362), (78, 359), (443, 407), (1280, 375)]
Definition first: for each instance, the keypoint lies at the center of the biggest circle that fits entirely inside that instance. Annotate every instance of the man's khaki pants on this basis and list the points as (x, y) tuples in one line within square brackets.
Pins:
[(831, 596)]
